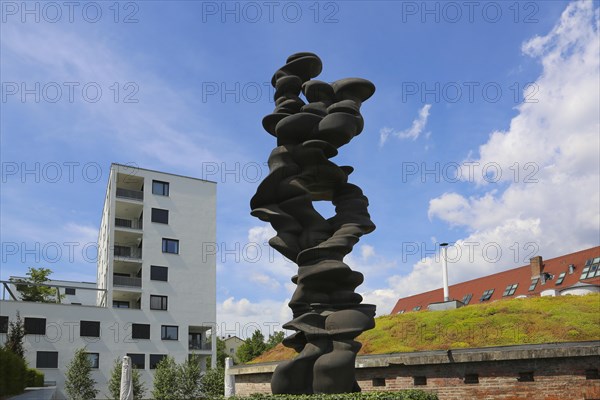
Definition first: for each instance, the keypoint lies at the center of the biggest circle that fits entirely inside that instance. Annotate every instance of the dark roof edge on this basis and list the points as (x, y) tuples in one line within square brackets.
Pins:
[(162, 172)]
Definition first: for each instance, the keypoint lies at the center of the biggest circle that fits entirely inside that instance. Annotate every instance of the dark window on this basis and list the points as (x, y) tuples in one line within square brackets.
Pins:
[(467, 298), (487, 295), (76, 304), (159, 273), (35, 326), (161, 188), (195, 341), (416, 308), (419, 380), (168, 332), (94, 359), (46, 359), (140, 331), (510, 290), (593, 270), (158, 302), (155, 359), (70, 290), (592, 373), (138, 360), (584, 273), (170, 246), (89, 328), (160, 215), (120, 304), (525, 376), (534, 282), (3, 324), (471, 378), (561, 278), (378, 381)]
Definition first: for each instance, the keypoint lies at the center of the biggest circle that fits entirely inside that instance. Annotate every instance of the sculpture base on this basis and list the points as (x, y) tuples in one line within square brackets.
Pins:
[(325, 341)]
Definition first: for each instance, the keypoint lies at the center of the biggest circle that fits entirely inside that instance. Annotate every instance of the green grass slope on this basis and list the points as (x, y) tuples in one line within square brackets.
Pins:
[(501, 323)]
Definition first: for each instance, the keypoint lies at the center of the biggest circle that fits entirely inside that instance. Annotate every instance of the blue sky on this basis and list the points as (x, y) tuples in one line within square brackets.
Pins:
[(502, 93)]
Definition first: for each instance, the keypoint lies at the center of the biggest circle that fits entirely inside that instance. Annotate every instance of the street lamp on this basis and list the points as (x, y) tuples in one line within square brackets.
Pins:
[(444, 247)]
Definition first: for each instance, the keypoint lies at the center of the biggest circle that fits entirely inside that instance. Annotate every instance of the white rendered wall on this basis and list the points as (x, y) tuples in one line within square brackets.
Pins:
[(191, 285)]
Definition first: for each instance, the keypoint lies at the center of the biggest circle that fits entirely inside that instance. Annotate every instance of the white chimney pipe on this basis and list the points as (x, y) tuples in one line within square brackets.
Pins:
[(445, 270)]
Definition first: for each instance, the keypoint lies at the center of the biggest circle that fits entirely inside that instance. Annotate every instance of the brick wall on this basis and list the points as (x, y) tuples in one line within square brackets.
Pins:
[(563, 378)]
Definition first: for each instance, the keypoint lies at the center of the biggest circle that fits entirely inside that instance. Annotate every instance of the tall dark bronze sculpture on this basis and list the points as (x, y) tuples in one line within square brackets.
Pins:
[(327, 313)]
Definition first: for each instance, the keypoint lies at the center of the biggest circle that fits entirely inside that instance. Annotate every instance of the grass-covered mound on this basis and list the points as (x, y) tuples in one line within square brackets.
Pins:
[(501, 323)]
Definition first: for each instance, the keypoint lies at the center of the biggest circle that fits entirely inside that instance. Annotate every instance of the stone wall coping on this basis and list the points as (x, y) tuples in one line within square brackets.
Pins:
[(497, 353)]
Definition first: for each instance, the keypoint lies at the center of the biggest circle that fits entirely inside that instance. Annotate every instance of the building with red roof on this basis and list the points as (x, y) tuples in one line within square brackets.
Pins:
[(575, 273)]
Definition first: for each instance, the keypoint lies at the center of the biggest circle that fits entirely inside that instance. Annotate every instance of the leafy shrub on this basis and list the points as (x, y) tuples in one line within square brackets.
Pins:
[(79, 383), (13, 371), (213, 382), (403, 395), (165, 380), (34, 378), (188, 380)]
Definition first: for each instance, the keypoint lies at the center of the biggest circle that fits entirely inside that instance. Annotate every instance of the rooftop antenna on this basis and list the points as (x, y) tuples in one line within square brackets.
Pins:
[(444, 247)]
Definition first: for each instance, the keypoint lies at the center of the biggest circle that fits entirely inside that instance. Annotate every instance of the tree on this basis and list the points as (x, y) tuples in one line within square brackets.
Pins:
[(79, 383), (14, 337), (188, 380), (114, 384), (165, 380), (252, 347), (38, 292), (213, 382), (274, 340)]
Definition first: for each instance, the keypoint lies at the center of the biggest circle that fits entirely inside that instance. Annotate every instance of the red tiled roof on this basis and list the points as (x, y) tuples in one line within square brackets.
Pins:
[(499, 282)]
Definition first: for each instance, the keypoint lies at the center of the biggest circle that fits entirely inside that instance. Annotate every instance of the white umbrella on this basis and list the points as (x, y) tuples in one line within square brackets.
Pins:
[(126, 380), (229, 379)]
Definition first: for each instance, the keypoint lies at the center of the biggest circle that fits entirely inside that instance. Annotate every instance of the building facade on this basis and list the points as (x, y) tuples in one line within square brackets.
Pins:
[(576, 273), (155, 293)]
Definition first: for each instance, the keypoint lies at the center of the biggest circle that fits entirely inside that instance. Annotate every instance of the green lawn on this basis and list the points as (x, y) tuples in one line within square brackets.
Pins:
[(504, 322)]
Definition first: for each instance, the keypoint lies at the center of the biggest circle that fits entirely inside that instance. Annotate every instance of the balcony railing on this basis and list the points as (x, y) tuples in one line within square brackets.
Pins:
[(127, 281), (128, 252), (205, 345), (130, 194), (128, 223)]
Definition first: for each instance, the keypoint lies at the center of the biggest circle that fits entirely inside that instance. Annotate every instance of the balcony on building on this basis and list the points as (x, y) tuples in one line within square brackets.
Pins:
[(127, 273), (199, 338), (128, 251), (129, 217), (128, 300), (127, 281), (130, 187)]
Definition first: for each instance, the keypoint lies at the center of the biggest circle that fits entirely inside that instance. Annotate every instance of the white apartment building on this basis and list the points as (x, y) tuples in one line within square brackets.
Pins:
[(155, 293)]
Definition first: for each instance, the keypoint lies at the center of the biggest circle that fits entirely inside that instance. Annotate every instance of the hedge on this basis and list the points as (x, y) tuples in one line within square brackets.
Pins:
[(12, 373), (403, 395), (34, 378)]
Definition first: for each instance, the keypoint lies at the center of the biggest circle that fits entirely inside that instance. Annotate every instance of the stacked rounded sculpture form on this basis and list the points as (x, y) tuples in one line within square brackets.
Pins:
[(327, 312)]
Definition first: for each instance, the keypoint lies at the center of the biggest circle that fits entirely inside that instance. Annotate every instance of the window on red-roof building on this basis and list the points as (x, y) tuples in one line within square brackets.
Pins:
[(467, 298), (487, 295), (510, 290), (534, 283)]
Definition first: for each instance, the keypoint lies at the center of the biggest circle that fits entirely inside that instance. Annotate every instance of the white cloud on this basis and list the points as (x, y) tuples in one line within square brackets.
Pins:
[(417, 127), (367, 251), (242, 317), (552, 205), (154, 122), (264, 280)]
